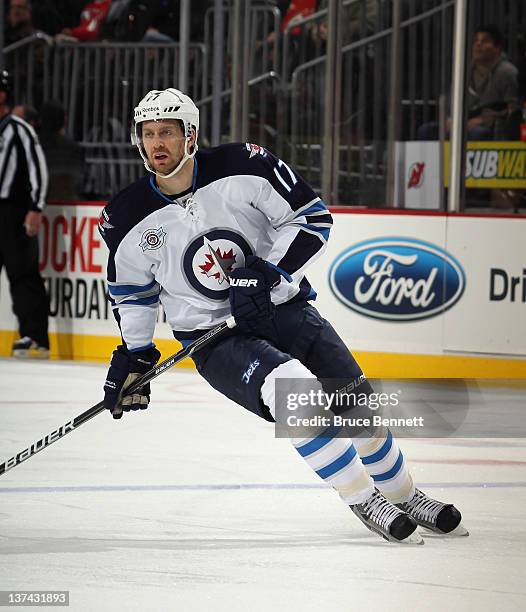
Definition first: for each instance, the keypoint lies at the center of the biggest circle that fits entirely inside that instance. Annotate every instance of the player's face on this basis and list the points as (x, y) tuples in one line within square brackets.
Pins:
[(164, 144)]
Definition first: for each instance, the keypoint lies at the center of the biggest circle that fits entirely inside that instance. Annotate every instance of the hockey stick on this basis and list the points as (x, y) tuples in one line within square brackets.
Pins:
[(68, 427)]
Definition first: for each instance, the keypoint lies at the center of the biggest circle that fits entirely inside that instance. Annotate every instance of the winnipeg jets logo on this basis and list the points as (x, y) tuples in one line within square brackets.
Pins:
[(210, 258), (104, 221), (152, 239), (218, 264)]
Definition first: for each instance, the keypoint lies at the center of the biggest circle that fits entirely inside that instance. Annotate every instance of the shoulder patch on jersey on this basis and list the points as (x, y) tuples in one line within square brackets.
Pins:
[(104, 221), (255, 149), (152, 239)]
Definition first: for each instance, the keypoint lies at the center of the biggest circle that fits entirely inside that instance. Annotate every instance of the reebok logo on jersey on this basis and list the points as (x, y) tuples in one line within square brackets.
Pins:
[(243, 282), (250, 370)]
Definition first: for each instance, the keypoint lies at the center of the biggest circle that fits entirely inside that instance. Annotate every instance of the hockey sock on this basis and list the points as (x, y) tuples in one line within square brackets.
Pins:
[(337, 462), (333, 458), (385, 463)]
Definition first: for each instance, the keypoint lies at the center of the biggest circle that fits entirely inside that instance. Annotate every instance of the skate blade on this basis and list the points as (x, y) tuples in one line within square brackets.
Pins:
[(414, 538), (459, 532)]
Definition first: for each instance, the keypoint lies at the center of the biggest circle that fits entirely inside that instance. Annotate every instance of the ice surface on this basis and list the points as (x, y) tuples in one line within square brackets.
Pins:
[(194, 505)]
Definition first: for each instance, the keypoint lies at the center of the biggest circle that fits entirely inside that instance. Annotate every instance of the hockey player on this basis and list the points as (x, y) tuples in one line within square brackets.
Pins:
[(230, 230)]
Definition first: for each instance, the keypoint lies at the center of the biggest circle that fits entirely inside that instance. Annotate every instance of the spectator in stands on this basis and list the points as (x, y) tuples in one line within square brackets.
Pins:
[(25, 64), (493, 86), (156, 21), (19, 23), (292, 11), (492, 90), (65, 157), (360, 21), (52, 16), (91, 20), (126, 21), (164, 20)]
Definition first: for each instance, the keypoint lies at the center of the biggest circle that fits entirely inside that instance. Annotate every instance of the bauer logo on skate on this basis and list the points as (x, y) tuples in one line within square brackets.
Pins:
[(397, 279)]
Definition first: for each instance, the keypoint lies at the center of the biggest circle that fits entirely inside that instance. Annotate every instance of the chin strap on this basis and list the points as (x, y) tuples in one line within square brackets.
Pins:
[(185, 158)]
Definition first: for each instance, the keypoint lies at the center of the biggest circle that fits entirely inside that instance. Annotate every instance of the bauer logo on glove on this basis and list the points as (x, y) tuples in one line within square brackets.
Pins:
[(243, 282)]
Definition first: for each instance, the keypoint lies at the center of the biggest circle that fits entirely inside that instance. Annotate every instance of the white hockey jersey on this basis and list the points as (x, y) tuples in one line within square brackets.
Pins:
[(243, 201)]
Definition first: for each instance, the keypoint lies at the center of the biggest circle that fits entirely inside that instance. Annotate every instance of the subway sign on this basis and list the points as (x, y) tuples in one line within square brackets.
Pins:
[(499, 165)]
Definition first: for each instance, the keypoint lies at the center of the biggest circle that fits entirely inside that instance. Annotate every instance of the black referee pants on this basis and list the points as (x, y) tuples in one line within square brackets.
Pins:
[(19, 256)]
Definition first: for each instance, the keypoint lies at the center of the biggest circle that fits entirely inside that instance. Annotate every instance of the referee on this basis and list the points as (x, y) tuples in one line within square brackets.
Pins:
[(23, 187)]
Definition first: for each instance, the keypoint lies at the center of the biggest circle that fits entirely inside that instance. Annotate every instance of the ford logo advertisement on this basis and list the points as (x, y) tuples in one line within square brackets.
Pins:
[(397, 279)]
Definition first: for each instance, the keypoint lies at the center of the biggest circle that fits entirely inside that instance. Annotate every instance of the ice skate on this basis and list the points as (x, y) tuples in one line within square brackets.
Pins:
[(434, 515), (379, 515), (25, 348)]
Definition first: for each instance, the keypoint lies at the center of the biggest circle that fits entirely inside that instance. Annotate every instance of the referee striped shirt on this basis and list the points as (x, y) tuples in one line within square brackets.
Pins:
[(23, 170)]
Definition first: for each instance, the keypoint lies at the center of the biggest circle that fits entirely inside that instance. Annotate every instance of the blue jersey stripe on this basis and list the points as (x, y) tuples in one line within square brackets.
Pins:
[(130, 289), (141, 301), (319, 206)]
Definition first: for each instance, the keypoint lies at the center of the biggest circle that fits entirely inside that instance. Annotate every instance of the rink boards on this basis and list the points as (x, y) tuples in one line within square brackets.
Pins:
[(413, 294)]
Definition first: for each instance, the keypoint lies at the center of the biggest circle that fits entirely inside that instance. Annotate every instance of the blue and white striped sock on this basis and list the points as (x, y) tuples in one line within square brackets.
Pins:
[(337, 462), (333, 458), (384, 462)]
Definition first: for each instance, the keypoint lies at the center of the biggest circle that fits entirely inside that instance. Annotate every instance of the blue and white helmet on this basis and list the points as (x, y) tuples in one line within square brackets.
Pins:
[(166, 104)]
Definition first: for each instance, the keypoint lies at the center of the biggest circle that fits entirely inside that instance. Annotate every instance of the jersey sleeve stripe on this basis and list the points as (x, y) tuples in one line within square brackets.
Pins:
[(146, 301), (324, 229), (311, 208), (118, 289)]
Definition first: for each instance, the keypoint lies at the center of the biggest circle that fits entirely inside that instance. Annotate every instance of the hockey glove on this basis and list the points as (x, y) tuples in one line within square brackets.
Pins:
[(125, 367), (250, 293)]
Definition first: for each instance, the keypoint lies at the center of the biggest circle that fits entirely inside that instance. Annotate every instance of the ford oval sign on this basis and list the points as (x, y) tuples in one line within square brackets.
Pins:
[(397, 279)]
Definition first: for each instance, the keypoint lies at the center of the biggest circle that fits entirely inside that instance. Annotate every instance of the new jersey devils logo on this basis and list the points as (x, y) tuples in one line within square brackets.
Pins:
[(416, 175), (209, 259)]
